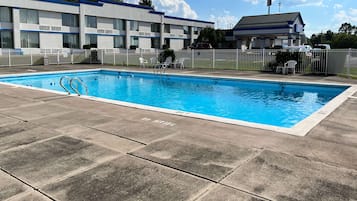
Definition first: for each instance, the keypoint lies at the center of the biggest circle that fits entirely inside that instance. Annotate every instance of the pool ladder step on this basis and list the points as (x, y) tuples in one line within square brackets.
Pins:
[(72, 81)]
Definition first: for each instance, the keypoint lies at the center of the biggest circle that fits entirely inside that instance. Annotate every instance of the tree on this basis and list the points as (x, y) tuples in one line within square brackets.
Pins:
[(146, 3), (346, 28), (211, 36)]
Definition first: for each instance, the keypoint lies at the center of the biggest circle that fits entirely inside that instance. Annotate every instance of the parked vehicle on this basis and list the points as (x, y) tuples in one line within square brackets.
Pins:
[(201, 46), (322, 47)]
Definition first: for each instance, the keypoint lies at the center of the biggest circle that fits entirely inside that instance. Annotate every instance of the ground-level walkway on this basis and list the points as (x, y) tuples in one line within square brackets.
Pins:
[(56, 147)]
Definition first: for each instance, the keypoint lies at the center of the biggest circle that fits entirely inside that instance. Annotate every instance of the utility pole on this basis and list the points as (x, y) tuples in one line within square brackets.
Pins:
[(279, 5), (268, 4)]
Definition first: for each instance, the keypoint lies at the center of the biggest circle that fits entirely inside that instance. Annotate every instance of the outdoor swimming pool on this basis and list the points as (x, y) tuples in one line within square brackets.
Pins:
[(263, 102)]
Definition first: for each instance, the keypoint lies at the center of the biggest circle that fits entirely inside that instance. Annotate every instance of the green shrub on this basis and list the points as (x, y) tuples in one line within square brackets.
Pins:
[(167, 53)]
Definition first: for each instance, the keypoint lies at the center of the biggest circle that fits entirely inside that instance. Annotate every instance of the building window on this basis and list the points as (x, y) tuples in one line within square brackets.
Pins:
[(5, 14), (186, 30), (91, 21), (134, 41), (197, 30), (119, 24), (29, 16), (71, 41), (167, 43), (92, 40), (70, 20), (119, 41), (186, 43), (167, 28), (155, 43), (155, 27), (134, 26), (6, 40), (30, 39)]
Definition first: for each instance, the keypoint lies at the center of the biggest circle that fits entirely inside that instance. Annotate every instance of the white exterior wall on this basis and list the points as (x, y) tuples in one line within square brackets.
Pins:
[(50, 18), (176, 44), (105, 42), (145, 43), (105, 23), (51, 30), (51, 41)]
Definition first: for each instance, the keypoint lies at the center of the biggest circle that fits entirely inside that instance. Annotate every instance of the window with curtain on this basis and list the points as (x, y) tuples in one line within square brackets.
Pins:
[(29, 16), (119, 41), (134, 25), (92, 40), (29, 39), (134, 41), (167, 28), (186, 29), (155, 43), (91, 21), (71, 41), (70, 20), (5, 14), (155, 27), (6, 39), (119, 24)]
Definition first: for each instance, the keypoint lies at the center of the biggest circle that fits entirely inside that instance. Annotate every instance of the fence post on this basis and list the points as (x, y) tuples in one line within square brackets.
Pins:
[(114, 57), (58, 60), (72, 59), (349, 64), (237, 58), (213, 58), (127, 57), (9, 58), (326, 68), (102, 53), (263, 58), (31, 58), (192, 58)]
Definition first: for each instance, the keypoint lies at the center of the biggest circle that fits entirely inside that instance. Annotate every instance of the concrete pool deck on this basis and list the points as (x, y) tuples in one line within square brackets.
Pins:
[(56, 147)]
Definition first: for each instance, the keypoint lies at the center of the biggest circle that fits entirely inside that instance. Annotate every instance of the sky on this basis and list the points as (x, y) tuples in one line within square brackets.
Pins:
[(318, 15)]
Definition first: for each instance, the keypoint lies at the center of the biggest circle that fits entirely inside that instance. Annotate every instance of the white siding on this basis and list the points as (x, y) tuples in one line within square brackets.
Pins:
[(105, 42), (51, 41), (176, 44), (50, 18), (104, 23)]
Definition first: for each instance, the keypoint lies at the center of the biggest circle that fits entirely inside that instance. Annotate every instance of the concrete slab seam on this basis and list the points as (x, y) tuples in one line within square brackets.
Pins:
[(177, 169), (116, 135), (30, 144), (27, 184)]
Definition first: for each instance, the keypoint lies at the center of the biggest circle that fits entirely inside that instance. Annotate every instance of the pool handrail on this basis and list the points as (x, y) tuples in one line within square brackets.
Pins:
[(61, 84), (76, 88)]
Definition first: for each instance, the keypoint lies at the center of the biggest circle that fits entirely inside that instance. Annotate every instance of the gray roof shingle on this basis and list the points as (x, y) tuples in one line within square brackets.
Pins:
[(261, 21)]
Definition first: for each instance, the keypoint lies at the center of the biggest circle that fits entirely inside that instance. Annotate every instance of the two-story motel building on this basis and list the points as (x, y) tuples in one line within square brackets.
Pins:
[(103, 24)]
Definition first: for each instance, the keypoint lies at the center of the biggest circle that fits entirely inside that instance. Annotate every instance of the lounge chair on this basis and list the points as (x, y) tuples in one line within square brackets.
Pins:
[(180, 63), (289, 65), (143, 62)]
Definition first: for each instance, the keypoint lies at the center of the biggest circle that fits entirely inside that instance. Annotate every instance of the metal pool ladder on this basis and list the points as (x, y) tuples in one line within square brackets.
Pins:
[(71, 82)]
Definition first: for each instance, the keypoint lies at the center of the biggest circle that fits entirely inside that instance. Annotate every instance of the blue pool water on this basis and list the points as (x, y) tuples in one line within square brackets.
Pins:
[(272, 103)]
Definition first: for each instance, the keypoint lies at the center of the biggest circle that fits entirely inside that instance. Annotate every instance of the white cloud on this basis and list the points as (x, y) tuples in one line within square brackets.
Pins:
[(176, 7), (343, 16), (225, 21), (254, 2), (300, 3), (172, 7), (337, 6)]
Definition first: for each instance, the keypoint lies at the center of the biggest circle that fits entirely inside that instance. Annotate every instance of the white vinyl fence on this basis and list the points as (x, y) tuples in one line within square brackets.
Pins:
[(343, 62)]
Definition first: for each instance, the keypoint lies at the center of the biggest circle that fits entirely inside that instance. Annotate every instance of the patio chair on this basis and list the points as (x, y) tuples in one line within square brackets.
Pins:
[(289, 65), (153, 61), (143, 62), (164, 65), (180, 63)]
